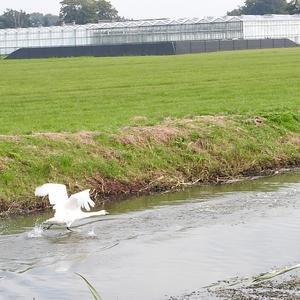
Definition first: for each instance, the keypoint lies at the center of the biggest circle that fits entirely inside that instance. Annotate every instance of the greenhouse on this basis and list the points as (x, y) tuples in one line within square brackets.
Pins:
[(149, 31), (272, 26)]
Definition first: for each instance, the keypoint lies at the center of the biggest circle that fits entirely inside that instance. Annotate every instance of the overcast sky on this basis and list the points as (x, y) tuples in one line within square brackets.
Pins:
[(138, 9)]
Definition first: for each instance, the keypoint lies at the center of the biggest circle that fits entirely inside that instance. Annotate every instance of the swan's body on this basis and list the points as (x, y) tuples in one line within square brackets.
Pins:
[(67, 209)]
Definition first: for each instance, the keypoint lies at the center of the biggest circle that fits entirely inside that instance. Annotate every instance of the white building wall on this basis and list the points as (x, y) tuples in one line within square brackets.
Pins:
[(272, 26)]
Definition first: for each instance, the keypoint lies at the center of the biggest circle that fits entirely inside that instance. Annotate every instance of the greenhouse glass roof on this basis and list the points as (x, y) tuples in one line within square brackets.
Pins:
[(153, 22), (127, 24)]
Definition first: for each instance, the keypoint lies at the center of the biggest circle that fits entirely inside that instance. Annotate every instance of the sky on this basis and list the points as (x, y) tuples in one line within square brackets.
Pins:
[(138, 9)]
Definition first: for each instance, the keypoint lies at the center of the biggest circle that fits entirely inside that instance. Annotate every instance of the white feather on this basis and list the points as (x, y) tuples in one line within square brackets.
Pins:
[(67, 210), (83, 199), (57, 193)]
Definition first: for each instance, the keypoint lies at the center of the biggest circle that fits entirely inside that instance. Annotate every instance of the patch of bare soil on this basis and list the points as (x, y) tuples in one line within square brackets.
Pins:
[(198, 146), (294, 139), (164, 132), (169, 129), (257, 121), (13, 138), (4, 161), (139, 118), (84, 137), (221, 121), (54, 136), (146, 134)]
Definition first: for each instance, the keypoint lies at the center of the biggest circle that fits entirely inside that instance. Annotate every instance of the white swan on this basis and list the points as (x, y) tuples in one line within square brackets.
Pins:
[(67, 209)]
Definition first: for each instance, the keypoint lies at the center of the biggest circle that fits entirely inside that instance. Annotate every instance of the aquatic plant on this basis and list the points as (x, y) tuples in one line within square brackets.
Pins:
[(93, 291)]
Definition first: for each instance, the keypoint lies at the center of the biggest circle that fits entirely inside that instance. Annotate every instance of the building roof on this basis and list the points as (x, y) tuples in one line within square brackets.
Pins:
[(149, 23)]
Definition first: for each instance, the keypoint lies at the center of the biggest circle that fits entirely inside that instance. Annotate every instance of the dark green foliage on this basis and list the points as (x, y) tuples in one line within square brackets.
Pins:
[(20, 19), (262, 7), (38, 19), (14, 19), (86, 11), (293, 7)]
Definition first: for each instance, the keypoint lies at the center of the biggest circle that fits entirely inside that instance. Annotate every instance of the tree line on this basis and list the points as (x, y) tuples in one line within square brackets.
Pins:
[(262, 7), (78, 11), (16, 19), (92, 11)]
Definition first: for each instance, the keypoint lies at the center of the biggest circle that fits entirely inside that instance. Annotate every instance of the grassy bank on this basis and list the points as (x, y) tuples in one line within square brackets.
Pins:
[(144, 159), (141, 124)]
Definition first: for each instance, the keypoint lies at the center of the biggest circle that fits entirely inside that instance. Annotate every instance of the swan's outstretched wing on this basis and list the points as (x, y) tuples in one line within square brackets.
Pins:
[(81, 200), (57, 193)]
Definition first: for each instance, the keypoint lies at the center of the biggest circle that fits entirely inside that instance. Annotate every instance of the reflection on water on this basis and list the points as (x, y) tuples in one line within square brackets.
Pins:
[(159, 246)]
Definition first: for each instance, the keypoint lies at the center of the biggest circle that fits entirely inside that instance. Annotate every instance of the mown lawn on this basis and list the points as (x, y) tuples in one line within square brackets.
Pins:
[(102, 94)]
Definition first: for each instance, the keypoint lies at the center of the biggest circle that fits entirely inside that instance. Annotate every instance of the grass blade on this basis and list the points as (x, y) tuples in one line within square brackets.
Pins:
[(272, 274), (93, 291)]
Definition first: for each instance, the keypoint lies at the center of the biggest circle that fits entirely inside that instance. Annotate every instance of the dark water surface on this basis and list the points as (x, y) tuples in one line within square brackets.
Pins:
[(157, 247)]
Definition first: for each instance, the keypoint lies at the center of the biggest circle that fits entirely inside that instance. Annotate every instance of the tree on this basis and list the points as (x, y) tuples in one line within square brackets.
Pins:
[(50, 20), (38, 19), (293, 7), (86, 11), (261, 7), (235, 12), (79, 11), (15, 19), (2, 22), (105, 11)]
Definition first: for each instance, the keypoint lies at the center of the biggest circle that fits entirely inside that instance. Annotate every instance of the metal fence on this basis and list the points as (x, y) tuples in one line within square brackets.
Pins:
[(160, 48), (213, 46)]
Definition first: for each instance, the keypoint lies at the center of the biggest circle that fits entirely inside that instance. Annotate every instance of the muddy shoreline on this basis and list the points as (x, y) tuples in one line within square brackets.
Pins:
[(287, 288), (105, 191)]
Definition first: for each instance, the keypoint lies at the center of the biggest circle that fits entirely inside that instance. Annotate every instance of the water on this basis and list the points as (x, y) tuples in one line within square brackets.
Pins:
[(156, 247)]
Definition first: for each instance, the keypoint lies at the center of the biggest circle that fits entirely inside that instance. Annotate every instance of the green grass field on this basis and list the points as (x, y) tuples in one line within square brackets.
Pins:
[(105, 93), (132, 123)]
